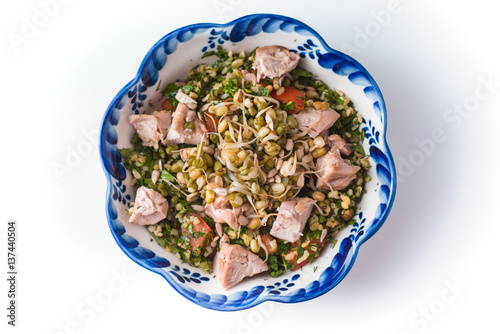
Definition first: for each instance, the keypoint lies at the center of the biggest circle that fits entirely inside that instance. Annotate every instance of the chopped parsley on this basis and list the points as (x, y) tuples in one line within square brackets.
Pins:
[(231, 87), (167, 176), (300, 252), (300, 72), (188, 88), (289, 106), (263, 92), (169, 92)]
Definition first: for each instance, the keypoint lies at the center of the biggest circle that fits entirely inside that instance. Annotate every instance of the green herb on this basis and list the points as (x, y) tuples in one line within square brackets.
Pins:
[(186, 207), (208, 220), (167, 228), (320, 87), (282, 247), (252, 53), (300, 251), (187, 88), (231, 87), (289, 106), (300, 72), (248, 88), (331, 95), (160, 240), (343, 125), (186, 240), (334, 242), (165, 175), (263, 92), (221, 53), (359, 149), (347, 120), (315, 268), (198, 234), (126, 152), (274, 267), (169, 92), (208, 54)]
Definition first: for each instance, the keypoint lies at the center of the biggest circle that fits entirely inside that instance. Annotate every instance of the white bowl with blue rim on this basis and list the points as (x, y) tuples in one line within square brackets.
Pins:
[(170, 59)]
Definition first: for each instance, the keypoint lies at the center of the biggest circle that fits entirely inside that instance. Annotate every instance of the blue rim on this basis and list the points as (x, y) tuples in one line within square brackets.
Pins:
[(348, 250)]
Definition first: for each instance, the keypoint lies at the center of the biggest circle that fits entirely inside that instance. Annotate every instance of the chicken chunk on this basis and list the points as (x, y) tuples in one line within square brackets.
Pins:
[(333, 172), (274, 61), (249, 77), (337, 142), (292, 218), (149, 207), (152, 128), (221, 212), (316, 121), (186, 99), (180, 134), (233, 263)]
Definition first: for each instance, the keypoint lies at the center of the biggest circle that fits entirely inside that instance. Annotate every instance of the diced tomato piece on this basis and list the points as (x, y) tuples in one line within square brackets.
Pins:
[(167, 106), (267, 240), (291, 95), (297, 266), (201, 227)]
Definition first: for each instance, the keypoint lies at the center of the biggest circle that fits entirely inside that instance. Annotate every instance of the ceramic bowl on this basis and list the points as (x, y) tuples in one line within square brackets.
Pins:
[(170, 59)]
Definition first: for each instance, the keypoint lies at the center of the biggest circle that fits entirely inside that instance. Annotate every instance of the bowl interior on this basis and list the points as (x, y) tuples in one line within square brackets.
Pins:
[(170, 60)]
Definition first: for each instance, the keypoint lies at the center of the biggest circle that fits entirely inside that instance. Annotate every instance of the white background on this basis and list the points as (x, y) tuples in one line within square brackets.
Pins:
[(442, 231)]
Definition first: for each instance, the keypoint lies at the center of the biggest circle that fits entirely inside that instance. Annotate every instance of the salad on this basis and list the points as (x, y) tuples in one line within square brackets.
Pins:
[(252, 165)]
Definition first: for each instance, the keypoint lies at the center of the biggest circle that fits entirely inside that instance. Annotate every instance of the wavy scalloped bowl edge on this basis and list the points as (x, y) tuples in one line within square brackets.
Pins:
[(246, 299)]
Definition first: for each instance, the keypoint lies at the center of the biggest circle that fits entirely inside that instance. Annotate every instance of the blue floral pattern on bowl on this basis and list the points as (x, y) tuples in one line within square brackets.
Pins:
[(166, 62)]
